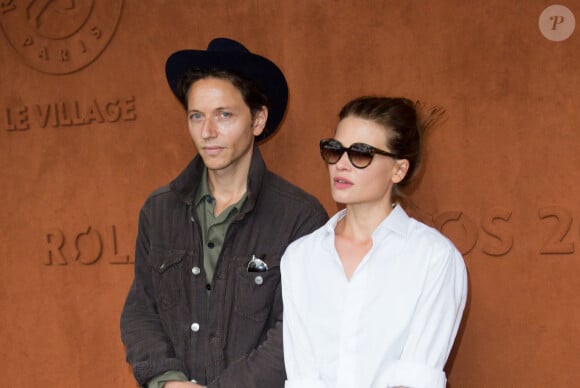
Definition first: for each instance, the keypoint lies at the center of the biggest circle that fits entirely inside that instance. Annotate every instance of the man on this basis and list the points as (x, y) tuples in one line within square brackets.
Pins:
[(205, 306)]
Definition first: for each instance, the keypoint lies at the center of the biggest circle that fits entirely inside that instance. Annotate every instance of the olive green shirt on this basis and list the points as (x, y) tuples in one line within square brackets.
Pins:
[(213, 227)]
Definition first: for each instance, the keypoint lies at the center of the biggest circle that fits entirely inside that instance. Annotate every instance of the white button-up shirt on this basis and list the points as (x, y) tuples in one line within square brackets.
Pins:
[(393, 324)]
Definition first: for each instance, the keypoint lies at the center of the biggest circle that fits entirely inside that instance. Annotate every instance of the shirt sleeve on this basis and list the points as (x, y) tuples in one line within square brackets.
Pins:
[(171, 375), (299, 359), (434, 325)]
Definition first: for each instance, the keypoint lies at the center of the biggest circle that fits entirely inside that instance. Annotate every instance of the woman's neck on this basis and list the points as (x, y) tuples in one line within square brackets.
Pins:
[(361, 220), (353, 234)]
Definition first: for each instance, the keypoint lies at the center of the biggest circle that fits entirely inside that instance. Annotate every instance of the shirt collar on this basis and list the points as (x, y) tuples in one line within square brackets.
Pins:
[(203, 193), (397, 221), (203, 189), (184, 186)]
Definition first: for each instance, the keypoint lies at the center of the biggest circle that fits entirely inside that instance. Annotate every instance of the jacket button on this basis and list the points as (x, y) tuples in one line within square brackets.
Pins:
[(162, 267), (259, 280), (196, 271), (195, 327)]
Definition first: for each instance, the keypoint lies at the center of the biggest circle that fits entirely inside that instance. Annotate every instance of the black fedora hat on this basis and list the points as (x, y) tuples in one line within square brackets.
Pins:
[(227, 54)]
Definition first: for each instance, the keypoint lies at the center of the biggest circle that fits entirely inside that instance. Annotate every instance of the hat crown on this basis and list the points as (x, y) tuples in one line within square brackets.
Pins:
[(225, 44)]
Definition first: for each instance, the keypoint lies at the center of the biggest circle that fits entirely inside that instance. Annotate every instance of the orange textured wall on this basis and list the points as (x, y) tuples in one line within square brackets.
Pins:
[(88, 127)]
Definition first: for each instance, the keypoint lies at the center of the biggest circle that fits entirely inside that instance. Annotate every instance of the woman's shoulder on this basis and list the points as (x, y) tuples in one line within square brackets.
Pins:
[(307, 247), (429, 238), (310, 240)]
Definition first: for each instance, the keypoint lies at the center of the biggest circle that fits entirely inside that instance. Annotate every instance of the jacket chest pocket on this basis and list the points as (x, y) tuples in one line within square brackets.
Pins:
[(167, 275), (255, 291)]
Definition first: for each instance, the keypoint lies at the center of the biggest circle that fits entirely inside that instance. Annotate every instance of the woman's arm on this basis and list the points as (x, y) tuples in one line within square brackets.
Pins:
[(435, 322), (299, 358)]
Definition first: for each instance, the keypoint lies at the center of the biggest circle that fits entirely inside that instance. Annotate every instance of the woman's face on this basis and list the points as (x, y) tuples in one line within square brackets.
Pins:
[(370, 185)]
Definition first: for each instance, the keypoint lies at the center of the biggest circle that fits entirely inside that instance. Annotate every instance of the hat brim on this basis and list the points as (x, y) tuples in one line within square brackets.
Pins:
[(267, 76)]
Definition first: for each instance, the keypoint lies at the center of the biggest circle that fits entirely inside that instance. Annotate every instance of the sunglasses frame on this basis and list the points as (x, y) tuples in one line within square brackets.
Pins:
[(352, 148)]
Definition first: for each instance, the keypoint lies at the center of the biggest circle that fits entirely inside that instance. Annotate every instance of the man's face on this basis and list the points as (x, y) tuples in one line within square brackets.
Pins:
[(221, 125)]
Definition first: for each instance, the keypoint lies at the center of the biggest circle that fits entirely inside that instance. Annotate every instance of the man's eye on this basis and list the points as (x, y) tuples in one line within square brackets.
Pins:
[(225, 114), (195, 116)]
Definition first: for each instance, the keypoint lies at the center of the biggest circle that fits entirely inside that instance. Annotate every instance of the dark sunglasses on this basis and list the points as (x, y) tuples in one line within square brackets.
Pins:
[(359, 154)]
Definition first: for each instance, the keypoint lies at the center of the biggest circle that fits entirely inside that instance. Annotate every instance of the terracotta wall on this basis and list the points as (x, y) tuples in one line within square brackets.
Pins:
[(88, 127)]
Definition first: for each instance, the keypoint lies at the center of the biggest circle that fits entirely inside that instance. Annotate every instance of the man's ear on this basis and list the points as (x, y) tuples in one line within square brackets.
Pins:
[(400, 170), (260, 119)]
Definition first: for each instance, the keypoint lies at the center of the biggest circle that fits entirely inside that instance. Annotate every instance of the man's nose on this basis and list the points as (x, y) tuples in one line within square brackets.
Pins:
[(209, 129)]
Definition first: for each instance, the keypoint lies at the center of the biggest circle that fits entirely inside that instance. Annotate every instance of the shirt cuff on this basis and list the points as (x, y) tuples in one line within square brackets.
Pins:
[(304, 383), (170, 375), (417, 375)]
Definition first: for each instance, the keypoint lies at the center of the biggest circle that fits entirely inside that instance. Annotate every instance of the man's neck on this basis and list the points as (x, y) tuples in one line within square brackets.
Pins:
[(227, 187)]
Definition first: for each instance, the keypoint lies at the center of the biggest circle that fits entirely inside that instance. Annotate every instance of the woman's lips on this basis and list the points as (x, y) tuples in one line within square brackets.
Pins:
[(341, 183)]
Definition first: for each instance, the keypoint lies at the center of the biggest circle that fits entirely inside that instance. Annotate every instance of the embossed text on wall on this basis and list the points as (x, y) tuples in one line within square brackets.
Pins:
[(87, 246), (59, 36), (68, 113), (495, 233)]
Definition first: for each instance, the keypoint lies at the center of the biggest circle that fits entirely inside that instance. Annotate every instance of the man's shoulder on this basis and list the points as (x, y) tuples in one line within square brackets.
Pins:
[(275, 185), (160, 191), (287, 201), (161, 196)]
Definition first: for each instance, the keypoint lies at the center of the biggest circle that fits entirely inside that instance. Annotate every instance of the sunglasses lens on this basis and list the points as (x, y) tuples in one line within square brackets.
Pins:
[(360, 155), (257, 265), (331, 151)]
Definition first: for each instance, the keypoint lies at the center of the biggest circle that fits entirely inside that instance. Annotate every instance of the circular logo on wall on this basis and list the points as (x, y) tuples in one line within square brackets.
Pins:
[(59, 36), (557, 23)]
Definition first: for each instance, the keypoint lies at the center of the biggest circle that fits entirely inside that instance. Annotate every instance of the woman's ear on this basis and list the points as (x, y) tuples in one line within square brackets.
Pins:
[(400, 170), (260, 118)]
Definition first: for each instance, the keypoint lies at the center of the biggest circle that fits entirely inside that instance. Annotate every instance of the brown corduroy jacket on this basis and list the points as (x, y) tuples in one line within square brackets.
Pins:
[(234, 337)]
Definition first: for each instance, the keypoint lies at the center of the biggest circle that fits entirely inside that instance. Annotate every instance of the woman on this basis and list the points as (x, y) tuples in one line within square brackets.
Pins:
[(373, 298)]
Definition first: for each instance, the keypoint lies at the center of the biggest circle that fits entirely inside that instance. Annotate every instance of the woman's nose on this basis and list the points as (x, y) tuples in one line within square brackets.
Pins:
[(343, 163)]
